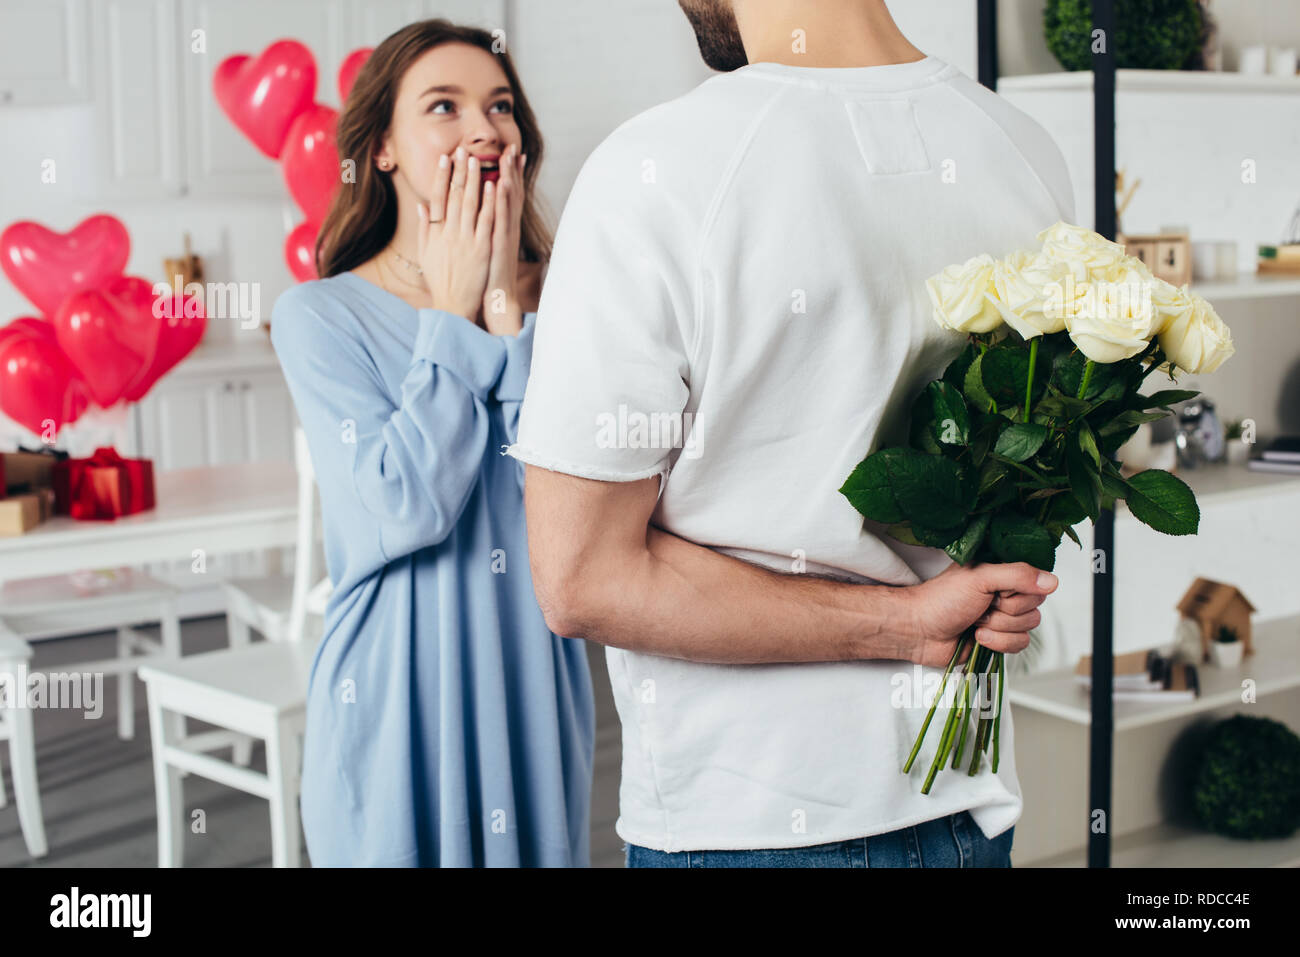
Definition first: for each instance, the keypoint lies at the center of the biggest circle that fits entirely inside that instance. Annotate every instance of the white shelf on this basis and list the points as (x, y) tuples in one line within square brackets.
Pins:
[(1247, 286), (1223, 481), (250, 352), (1274, 667), (1155, 81), (1168, 845)]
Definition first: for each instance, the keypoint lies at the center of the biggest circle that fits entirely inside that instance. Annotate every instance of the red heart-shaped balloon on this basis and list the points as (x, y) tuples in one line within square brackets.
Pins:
[(47, 267), (264, 95), (349, 69), (300, 251), (181, 328), (28, 326), (38, 385), (310, 161), (110, 335)]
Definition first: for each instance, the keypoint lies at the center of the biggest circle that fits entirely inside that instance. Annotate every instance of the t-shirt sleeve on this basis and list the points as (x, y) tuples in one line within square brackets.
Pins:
[(610, 366)]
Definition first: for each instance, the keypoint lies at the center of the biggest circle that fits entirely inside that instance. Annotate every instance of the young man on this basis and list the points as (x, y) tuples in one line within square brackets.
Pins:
[(749, 261)]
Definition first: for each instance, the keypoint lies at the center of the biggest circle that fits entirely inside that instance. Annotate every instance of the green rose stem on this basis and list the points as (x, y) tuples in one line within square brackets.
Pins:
[(944, 684), (1087, 377), (1029, 385), (944, 738), (982, 656), (967, 640), (997, 721), (963, 712)]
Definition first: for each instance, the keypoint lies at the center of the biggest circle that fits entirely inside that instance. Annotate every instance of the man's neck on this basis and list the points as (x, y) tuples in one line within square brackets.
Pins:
[(828, 33)]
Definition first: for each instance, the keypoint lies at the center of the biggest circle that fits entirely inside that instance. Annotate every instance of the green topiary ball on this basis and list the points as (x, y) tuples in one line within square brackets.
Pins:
[(1153, 34), (1248, 782)]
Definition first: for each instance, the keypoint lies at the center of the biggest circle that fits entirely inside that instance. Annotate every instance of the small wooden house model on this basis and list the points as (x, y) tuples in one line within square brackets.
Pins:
[(1213, 605)]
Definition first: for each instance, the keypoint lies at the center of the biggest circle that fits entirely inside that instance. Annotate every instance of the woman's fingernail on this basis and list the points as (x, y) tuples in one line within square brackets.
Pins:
[(1046, 580), (460, 153), (442, 161)]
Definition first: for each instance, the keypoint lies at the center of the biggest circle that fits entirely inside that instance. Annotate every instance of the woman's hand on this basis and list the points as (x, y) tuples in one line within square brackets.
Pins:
[(502, 313), (455, 253)]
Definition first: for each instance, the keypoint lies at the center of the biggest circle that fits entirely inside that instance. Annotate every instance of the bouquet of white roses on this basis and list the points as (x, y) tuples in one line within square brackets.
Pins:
[(1014, 445)]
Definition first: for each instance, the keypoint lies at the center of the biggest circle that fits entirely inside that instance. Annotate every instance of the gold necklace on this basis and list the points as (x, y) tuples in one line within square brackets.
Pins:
[(407, 263), (380, 267)]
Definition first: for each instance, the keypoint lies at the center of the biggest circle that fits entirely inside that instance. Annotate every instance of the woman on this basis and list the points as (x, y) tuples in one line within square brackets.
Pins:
[(446, 725)]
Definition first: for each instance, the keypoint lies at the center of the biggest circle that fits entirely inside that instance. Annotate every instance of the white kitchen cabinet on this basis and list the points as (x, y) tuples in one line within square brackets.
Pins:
[(136, 66), (43, 52), (222, 406), (220, 161)]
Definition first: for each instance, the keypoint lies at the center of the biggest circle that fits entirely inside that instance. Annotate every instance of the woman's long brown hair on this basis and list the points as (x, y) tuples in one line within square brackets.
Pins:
[(363, 215)]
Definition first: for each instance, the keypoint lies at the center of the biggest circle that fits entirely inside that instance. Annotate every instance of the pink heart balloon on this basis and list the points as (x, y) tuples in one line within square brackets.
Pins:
[(349, 69), (37, 382), (110, 335), (262, 96), (47, 267), (310, 161), (181, 328), (300, 251)]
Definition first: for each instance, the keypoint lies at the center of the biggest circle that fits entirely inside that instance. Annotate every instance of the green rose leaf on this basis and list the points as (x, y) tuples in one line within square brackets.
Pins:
[(936, 537), (903, 532), (1129, 418), (955, 374), (1018, 538), (931, 491), (868, 488), (1085, 483), (1163, 502), (1005, 373), (1088, 444), (963, 549), (1163, 398), (973, 386), (949, 421), (1021, 440)]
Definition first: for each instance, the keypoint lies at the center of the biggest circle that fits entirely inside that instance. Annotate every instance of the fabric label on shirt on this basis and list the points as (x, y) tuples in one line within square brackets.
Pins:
[(887, 135)]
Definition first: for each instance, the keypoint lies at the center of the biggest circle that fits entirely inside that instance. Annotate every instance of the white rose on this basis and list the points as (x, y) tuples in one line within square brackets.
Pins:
[(1171, 303), (960, 296), (1114, 319), (1197, 340), (1088, 254), (1027, 290)]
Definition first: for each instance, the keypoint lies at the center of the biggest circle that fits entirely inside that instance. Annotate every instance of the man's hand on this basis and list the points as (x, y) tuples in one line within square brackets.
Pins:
[(603, 572), (1002, 598)]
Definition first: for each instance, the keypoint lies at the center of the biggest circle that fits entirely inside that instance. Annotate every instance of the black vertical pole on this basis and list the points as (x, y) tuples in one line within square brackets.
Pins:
[(1101, 736), (986, 28)]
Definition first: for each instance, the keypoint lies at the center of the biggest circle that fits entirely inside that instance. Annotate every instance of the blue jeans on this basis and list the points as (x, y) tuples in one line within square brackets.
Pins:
[(952, 841)]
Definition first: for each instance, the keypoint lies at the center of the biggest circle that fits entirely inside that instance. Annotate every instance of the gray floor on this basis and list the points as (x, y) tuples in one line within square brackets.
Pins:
[(97, 790)]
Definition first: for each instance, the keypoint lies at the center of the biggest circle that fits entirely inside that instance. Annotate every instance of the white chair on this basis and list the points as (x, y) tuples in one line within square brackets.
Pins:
[(249, 691), (93, 601), (16, 726)]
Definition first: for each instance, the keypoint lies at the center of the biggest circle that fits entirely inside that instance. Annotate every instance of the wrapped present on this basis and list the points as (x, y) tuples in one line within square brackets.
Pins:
[(104, 486), (19, 514), (28, 470)]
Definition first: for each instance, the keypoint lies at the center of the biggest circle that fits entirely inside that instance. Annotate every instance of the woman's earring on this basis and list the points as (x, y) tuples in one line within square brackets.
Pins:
[(384, 164)]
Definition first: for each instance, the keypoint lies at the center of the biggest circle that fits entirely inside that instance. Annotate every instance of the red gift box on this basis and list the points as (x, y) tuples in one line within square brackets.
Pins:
[(104, 486)]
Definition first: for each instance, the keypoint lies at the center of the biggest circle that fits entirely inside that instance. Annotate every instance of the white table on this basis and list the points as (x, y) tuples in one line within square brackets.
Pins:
[(218, 509)]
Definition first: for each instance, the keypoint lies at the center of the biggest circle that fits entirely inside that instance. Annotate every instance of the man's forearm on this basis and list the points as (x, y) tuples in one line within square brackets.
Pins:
[(682, 600)]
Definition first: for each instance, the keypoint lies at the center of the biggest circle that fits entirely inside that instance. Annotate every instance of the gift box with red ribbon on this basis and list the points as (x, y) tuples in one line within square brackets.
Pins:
[(104, 486)]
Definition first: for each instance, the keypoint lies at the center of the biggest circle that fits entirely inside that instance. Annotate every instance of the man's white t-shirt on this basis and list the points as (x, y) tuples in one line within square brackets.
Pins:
[(748, 262)]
